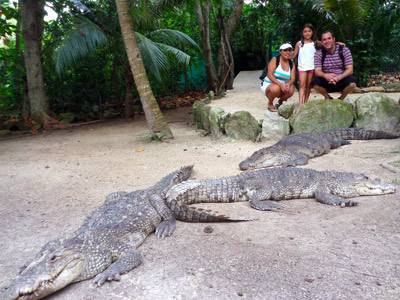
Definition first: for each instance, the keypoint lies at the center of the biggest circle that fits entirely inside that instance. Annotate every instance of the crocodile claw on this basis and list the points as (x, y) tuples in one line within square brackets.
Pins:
[(166, 228), (107, 275)]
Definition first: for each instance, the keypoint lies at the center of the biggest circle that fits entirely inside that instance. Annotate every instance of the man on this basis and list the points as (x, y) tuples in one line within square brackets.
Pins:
[(333, 68)]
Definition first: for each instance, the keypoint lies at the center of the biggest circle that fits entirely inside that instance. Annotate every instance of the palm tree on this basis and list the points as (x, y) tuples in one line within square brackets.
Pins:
[(154, 117), (97, 28)]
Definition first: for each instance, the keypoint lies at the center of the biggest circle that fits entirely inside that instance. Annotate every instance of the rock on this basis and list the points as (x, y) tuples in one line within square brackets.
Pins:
[(217, 117), (201, 115), (208, 229), (322, 115), (111, 113), (4, 132), (274, 126), (377, 111), (393, 87), (286, 109), (67, 118), (242, 125)]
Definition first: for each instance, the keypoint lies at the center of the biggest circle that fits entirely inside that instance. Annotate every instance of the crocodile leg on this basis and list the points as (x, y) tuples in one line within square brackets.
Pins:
[(257, 201), (330, 199), (128, 260), (168, 223)]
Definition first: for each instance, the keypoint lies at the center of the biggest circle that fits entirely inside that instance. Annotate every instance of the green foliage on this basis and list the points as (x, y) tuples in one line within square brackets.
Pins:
[(83, 37)]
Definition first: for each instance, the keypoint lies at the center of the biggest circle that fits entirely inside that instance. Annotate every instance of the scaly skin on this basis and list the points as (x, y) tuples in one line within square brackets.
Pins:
[(105, 245), (297, 149), (259, 187)]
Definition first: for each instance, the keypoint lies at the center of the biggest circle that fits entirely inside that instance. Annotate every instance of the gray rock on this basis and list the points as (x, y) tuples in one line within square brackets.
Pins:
[(242, 125), (217, 117), (322, 115), (286, 109), (67, 117), (393, 87), (201, 115), (274, 126), (376, 111)]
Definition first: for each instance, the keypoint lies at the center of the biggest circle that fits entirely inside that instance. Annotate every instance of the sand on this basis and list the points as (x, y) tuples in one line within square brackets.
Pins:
[(51, 181)]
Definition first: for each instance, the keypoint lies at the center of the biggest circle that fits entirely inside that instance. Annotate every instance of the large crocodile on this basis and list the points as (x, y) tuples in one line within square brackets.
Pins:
[(105, 245), (297, 149), (259, 187)]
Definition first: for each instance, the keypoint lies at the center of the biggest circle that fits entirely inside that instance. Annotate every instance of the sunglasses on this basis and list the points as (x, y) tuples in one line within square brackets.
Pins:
[(287, 49)]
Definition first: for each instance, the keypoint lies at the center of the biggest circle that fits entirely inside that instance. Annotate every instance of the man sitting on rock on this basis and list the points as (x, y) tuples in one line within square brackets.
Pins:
[(333, 68)]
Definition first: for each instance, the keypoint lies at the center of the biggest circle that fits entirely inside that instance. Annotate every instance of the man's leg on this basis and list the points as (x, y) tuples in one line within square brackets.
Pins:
[(347, 90), (320, 85), (322, 91)]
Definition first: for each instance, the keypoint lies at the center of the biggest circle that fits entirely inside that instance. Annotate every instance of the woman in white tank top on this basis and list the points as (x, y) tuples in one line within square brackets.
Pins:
[(280, 78)]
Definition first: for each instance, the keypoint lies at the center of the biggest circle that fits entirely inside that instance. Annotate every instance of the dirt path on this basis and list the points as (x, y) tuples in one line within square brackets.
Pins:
[(50, 182)]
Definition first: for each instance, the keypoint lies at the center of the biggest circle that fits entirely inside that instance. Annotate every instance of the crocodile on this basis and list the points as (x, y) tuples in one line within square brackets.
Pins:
[(104, 247), (297, 149), (264, 187)]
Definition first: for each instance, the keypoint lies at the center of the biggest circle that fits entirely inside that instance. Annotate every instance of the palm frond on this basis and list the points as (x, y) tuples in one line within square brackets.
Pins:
[(179, 55), (154, 59), (172, 37), (83, 38)]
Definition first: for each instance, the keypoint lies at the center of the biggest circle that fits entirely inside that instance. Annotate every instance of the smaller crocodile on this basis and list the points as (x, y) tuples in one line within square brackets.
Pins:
[(297, 149), (262, 188)]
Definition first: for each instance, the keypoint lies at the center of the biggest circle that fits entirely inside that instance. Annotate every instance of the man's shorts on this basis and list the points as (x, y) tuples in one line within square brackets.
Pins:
[(331, 88)]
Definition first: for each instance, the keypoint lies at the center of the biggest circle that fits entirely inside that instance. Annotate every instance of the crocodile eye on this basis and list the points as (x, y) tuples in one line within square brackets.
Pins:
[(53, 258)]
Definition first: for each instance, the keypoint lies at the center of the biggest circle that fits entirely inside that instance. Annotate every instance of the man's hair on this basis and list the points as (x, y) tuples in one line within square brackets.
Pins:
[(328, 31)]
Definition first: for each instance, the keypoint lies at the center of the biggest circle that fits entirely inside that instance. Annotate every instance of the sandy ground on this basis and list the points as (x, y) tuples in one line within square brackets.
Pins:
[(50, 182)]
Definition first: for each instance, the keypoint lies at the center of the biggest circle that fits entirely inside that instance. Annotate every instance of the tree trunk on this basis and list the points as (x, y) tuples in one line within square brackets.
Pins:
[(203, 14), (128, 112), (154, 117), (223, 79), (32, 12), (226, 71)]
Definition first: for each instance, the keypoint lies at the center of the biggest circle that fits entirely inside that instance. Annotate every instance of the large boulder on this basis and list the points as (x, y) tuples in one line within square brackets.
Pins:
[(242, 125), (274, 126), (377, 111), (201, 113), (217, 117), (322, 115)]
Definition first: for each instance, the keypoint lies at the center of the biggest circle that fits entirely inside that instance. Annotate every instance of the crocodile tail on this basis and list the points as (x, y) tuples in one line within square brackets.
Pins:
[(362, 134), (198, 215), (184, 173)]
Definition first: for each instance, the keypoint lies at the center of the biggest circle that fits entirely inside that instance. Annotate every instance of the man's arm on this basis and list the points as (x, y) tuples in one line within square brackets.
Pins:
[(347, 72), (348, 63)]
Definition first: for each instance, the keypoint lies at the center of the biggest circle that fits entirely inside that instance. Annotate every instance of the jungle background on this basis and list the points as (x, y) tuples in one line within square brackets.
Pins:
[(66, 61)]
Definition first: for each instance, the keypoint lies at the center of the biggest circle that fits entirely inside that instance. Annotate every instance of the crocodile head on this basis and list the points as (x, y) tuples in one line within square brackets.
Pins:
[(50, 271), (361, 185), (268, 157)]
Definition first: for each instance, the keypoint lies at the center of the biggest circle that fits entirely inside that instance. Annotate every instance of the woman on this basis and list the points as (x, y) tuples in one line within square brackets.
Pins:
[(280, 77)]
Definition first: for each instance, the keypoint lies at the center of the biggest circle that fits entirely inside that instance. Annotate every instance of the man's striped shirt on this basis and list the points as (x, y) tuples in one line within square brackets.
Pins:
[(333, 63)]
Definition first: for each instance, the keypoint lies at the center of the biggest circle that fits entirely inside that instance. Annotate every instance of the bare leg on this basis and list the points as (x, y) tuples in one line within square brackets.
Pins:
[(347, 90), (308, 86), (322, 91), (273, 91), (303, 87), (288, 94)]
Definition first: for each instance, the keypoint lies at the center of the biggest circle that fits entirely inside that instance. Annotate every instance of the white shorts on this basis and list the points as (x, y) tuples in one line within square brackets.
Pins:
[(264, 87)]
